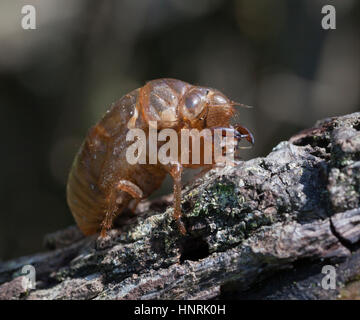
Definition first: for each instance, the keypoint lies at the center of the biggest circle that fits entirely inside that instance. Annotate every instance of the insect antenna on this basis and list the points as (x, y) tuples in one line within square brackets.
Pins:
[(234, 103)]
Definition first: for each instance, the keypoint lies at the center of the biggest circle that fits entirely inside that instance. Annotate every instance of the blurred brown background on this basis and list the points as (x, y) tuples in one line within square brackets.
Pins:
[(57, 81)]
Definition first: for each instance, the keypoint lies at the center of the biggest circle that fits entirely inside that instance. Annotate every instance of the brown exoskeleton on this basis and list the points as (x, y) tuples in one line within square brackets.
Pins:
[(102, 183)]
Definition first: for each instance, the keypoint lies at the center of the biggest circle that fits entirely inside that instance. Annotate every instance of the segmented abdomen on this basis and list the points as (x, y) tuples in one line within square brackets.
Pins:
[(98, 165)]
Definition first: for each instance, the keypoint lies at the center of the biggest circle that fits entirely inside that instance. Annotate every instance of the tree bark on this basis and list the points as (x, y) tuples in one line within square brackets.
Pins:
[(261, 230)]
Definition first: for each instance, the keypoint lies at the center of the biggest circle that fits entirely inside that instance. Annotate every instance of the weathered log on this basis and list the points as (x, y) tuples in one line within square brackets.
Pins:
[(263, 229)]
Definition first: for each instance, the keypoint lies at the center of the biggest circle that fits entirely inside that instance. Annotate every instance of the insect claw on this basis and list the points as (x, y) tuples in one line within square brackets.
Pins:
[(240, 136), (245, 133)]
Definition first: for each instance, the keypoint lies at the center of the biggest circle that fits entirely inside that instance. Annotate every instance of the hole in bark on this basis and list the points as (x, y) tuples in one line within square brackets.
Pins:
[(194, 249), (357, 126)]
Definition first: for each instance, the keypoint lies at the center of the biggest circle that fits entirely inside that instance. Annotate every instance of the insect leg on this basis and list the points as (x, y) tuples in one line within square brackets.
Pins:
[(133, 190), (245, 133), (123, 185), (110, 214), (130, 188), (133, 205), (175, 170), (238, 132)]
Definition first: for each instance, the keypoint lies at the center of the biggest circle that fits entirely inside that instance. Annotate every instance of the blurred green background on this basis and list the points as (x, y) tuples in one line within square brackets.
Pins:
[(58, 80)]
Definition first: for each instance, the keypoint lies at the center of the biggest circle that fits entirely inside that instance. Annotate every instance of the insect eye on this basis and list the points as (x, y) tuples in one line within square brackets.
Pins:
[(192, 101)]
